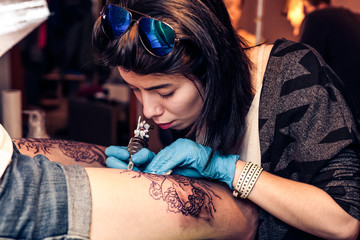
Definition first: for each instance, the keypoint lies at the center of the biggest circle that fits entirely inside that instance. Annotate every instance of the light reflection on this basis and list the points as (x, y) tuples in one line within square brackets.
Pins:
[(295, 14)]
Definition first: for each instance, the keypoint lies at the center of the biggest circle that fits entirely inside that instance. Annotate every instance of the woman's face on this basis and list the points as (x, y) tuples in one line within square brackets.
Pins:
[(171, 101)]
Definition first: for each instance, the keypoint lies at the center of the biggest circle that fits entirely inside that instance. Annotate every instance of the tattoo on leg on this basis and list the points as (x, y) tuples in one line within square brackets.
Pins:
[(80, 152), (38, 145), (184, 195)]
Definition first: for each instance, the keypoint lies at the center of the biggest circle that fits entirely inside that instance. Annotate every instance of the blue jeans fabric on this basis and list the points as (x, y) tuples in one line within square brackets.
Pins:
[(40, 199)]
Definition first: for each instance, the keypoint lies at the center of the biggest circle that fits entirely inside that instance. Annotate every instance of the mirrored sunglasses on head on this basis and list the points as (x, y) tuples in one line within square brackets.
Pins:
[(156, 36)]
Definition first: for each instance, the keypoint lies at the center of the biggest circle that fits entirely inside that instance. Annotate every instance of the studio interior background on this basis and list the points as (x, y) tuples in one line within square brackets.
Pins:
[(63, 87)]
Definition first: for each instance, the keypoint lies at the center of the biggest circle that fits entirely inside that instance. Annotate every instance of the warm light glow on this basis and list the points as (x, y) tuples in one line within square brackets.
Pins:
[(295, 14)]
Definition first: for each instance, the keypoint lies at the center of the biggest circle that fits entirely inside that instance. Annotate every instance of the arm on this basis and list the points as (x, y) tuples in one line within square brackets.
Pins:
[(306, 207), (301, 205), (307, 137), (137, 205)]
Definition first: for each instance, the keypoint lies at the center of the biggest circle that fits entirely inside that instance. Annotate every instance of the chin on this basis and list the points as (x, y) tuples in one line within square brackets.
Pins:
[(177, 128), (181, 127)]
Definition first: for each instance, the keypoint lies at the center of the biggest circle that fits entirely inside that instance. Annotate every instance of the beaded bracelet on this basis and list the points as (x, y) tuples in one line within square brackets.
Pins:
[(247, 180), (241, 178), (252, 182)]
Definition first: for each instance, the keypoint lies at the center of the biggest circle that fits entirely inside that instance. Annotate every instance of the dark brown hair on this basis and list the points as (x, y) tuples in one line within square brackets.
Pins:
[(211, 53)]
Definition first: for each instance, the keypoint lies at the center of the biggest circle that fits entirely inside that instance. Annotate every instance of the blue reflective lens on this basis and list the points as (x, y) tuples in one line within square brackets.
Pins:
[(116, 20), (158, 37)]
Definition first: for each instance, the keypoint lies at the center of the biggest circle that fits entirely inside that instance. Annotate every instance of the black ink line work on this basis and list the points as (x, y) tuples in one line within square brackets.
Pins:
[(80, 152), (188, 196)]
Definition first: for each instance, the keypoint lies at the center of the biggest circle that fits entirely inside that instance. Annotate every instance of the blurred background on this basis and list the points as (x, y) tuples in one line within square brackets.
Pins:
[(46, 55)]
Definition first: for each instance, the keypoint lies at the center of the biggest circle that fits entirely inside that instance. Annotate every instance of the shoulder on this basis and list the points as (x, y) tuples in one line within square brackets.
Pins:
[(319, 19), (328, 16), (297, 73), (288, 55), (287, 46), (328, 12), (297, 68)]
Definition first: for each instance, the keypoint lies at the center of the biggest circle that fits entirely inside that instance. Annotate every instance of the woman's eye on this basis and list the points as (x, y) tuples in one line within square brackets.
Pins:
[(135, 89), (167, 95)]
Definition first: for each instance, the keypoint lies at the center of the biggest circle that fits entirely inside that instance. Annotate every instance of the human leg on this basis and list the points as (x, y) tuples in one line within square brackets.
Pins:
[(133, 205), (36, 197)]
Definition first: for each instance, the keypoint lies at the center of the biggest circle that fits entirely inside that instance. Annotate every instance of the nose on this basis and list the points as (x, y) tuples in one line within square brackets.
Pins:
[(152, 107)]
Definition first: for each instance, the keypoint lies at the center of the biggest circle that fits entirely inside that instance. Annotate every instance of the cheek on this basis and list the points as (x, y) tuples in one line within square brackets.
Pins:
[(187, 105), (138, 96)]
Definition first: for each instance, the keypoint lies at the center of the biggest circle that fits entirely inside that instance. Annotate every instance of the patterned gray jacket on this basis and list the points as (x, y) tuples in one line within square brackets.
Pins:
[(307, 131)]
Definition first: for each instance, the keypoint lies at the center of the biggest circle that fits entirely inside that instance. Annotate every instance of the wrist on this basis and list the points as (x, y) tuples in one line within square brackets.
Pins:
[(247, 180), (238, 169)]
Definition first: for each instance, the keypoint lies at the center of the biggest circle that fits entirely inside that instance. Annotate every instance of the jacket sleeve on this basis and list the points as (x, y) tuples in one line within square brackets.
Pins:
[(307, 130)]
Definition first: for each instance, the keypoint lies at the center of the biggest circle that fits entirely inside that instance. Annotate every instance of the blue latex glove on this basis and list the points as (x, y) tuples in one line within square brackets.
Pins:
[(188, 158), (118, 157)]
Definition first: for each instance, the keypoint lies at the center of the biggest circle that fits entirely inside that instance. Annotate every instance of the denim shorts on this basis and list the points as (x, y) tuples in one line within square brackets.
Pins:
[(40, 199)]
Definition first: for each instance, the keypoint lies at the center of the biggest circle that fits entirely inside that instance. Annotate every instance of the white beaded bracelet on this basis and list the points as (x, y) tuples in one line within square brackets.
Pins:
[(241, 178), (252, 182), (247, 180)]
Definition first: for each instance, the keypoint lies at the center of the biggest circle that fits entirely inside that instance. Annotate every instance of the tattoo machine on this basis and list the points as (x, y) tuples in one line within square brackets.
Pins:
[(139, 140)]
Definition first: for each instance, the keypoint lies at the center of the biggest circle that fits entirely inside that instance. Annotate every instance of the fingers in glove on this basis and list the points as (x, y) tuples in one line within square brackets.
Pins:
[(142, 157), (186, 172), (162, 163), (118, 152), (113, 162)]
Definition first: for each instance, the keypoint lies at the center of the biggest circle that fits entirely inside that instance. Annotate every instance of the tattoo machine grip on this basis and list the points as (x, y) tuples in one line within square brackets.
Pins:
[(139, 140)]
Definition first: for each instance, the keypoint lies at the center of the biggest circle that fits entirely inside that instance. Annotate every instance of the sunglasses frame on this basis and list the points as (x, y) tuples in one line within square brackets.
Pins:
[(137, 21)]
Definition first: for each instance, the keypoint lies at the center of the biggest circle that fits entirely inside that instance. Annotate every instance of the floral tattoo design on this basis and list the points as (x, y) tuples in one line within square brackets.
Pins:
[(80, 152), (188, 196)]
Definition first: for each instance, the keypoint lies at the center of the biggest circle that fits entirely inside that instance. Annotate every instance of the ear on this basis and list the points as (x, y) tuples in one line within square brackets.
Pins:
[(304, 9), (306, 6)]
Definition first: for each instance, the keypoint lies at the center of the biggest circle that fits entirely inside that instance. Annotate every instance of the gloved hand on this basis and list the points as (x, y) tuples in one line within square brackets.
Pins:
[(188, 158), (118, 157)]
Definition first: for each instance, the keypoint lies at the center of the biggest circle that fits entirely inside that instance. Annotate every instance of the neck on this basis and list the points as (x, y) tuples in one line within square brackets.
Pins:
[(310, 8), (322, 5), (253, 54)]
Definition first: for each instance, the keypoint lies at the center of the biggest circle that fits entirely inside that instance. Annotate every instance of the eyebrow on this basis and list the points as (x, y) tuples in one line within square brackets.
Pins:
[(157, 86)]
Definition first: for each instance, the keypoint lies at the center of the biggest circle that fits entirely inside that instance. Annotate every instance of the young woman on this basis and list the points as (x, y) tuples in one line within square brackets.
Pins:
[(278, 106)]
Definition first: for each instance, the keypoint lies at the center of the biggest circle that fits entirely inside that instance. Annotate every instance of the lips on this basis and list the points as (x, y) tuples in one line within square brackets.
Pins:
[(165, 125)]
